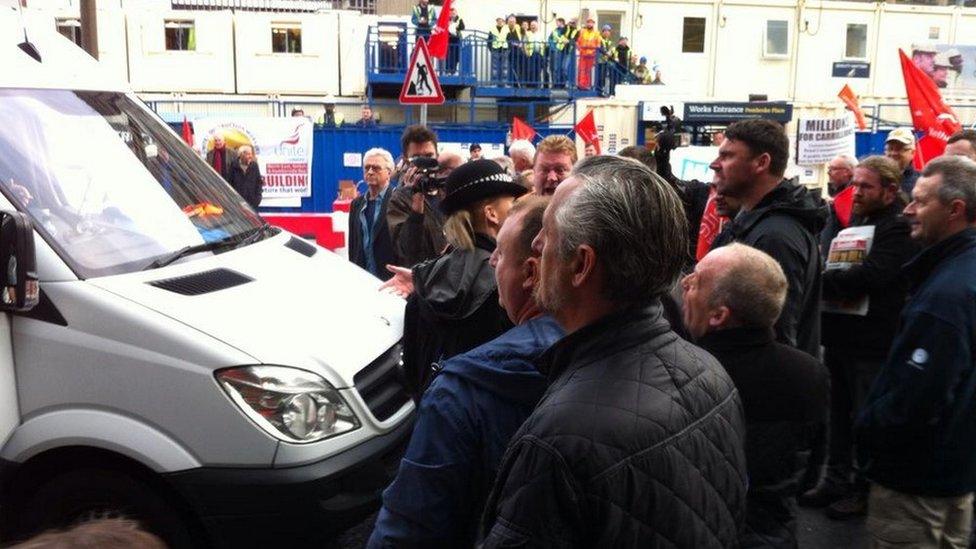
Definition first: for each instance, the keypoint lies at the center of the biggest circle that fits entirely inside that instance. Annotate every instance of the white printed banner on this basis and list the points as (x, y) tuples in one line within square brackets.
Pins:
[(282, 147), (819, 140)]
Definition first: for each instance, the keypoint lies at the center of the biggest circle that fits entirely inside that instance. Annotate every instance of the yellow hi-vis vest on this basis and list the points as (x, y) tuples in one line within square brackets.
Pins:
[(499, 38)]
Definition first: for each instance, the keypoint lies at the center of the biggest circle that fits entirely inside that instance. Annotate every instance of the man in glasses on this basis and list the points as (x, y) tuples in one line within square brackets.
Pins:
[(370, 243)]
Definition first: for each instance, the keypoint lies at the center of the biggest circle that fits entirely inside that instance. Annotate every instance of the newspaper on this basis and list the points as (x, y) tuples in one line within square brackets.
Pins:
[(849, 248)]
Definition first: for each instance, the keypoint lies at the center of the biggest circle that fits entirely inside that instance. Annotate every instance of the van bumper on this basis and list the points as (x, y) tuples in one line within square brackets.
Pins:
[(308, 504)]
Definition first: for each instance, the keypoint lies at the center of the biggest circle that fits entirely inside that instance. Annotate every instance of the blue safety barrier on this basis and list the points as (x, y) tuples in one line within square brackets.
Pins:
[(527, 69), (329, 146)]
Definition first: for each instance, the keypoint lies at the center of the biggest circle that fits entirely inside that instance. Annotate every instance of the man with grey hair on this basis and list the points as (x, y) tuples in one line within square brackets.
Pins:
[(731, 302), (840, 171), (522, 153), (639, 436), (916, 435), (246, 178), (370, 242)]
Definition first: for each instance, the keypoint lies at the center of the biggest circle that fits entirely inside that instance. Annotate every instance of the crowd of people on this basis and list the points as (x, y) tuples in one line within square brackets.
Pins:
[(584, 378)]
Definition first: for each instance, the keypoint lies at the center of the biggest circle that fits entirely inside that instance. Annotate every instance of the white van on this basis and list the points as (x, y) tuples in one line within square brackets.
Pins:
[(223, 381)]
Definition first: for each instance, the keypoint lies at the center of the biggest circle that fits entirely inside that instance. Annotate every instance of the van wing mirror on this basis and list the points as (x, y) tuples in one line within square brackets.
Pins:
[(18, 263)]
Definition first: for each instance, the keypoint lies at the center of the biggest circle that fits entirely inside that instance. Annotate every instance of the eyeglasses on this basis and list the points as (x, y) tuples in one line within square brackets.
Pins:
[(373, 168)]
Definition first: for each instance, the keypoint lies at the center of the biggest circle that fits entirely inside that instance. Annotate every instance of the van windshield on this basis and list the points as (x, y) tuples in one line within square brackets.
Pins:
[(107, 184)]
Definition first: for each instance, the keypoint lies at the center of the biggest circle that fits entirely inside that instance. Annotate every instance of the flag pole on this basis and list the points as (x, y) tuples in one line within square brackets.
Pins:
[(423, 114)]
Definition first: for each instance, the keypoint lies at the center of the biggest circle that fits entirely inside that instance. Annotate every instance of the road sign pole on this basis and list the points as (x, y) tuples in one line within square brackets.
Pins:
[(423, 114)]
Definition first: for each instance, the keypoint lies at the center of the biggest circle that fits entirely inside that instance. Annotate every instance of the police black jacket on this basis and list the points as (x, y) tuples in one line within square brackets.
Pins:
[(453, 309), (917, 430), (784, 393), (637, 442), (785, 225), (880, 278)]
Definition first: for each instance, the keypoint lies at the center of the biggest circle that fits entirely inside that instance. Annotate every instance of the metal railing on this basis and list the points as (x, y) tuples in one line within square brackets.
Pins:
[(472, 61)]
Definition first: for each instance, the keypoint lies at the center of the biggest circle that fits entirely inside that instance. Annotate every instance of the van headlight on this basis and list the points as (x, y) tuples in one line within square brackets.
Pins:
[(290, 404)]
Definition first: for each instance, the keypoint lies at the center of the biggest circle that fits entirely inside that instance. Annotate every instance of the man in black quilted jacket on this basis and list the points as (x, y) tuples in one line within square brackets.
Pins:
[(638, 440)]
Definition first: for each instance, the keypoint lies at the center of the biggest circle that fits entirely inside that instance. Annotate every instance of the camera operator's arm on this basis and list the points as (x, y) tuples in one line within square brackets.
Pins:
[(407, 226)]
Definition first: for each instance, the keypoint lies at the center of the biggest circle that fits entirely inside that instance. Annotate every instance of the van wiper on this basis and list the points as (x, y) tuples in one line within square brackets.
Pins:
[(233, 241), (190, 250)]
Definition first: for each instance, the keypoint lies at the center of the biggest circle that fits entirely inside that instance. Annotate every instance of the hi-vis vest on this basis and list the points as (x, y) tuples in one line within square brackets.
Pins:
[(531, 44), (499, 38), (609, 52), (431, 15), (558, 40), (588, 42)]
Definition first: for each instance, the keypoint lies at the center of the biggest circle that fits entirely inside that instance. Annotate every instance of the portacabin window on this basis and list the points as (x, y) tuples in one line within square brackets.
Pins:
[(180, 35), (693, 35), (857, 41), (286, 38), (776, 39), (70, 28)]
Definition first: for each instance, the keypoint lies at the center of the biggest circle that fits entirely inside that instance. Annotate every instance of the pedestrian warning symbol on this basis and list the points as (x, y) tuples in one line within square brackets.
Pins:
[(421, 85)]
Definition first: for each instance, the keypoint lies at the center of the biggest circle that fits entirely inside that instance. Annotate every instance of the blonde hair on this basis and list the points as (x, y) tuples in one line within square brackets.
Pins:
[(558, 144), (459, 230)]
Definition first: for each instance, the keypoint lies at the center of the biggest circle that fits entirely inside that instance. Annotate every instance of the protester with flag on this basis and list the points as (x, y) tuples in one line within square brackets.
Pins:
[(931, 117)]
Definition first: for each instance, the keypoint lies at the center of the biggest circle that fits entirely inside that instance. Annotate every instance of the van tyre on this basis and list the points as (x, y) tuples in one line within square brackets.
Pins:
[(83, 494)]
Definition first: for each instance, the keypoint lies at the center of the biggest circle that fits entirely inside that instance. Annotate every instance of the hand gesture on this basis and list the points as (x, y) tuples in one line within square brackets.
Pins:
[(402, 282)]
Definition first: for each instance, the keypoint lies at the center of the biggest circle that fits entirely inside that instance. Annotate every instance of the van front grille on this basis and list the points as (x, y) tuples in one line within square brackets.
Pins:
[(381, 386)]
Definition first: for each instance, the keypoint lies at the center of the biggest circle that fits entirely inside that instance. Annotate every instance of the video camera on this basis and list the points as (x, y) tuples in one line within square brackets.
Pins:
[(428, 181)]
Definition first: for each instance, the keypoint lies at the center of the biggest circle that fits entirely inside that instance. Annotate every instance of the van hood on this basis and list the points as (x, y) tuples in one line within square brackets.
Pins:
[(318, 313)]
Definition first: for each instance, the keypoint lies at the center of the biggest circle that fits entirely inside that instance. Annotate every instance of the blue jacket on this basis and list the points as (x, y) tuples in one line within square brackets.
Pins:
[(466, 419), (917, 431)]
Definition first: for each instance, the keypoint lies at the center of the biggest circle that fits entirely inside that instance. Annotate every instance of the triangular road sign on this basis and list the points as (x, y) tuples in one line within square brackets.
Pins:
[(421, 85)]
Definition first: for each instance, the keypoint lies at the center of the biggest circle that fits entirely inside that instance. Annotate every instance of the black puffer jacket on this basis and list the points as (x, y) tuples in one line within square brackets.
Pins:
[(453, 309), (638, 442), (785, 225)]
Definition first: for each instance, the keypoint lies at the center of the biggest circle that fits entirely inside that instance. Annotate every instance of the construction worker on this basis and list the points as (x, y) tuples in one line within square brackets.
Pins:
[(498, 46), (424, 16), (534, 48), (605, 60), (515, 55), (558, 42), (588, 42)]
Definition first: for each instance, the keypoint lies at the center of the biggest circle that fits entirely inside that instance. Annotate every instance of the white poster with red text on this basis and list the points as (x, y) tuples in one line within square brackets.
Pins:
[(282, 148)]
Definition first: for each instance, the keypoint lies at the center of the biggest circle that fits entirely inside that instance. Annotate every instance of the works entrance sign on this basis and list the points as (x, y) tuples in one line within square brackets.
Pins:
[(731, 112)]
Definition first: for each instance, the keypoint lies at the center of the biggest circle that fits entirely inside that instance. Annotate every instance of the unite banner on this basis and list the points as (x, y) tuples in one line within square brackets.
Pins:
[(282, 147)]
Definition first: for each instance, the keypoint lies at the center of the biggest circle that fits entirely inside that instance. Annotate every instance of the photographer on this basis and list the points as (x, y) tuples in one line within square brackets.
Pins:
[(454, 305), (415, 222)]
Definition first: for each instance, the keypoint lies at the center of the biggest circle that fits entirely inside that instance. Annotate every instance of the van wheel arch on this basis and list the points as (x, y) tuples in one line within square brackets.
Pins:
[(35, 479)]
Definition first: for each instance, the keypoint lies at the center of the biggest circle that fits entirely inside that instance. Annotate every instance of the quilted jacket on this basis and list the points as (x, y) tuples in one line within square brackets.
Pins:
[(637, 442)]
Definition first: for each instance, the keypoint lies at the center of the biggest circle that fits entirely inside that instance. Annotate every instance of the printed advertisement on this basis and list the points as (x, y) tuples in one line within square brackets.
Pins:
[(949, 66), (282, 149), (849, 248), (819, 140)]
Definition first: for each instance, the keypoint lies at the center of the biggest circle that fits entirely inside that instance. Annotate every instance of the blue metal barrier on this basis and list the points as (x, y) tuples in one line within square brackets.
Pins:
[(524, 69), (331, 144)]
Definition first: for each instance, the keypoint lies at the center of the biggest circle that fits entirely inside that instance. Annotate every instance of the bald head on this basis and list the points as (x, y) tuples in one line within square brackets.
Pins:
[(733, 286)]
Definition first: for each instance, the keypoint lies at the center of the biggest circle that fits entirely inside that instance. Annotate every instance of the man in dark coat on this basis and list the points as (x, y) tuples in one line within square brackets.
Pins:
[(856, 344), (638, 441), (731, 302), (246, 178), (221, 157), (916, 435), (472, 408), (778, 217), (370, 243)]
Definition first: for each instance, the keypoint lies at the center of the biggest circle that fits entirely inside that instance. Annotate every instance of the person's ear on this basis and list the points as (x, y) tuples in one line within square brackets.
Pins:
[(584, 265), (491, 214), (763, 162), (719, 317), (530, 273), (957, 209)]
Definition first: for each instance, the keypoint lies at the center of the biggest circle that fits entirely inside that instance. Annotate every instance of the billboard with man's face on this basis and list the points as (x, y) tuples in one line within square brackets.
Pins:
[(951, 67)]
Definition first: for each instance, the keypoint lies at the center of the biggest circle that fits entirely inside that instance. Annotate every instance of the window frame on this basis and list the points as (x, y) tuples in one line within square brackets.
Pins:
[(184, 25), (287, 27), (684, 33), (847, 30), (72, 22), (765, 40)]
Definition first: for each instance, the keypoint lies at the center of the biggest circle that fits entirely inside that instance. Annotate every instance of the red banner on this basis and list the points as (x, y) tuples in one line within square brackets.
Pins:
[(187, 133), (437, 46), (711, 225), (847, 96), (586, 129), (521, 130), (843, 205), (930, 114)]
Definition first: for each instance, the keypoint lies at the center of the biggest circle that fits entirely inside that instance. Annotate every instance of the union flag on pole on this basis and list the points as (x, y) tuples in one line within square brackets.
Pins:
[(521, 130), (930, 114), (586, 129), (847, 96), (438, 40)]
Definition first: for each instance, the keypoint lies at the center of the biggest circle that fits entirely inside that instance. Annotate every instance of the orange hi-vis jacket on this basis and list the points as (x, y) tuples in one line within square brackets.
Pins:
[(589, 41)]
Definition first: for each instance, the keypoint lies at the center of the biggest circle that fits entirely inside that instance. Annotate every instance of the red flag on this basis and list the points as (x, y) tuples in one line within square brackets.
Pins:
[(930, 115), (437, 45), (586, 130), (843, 204), (521, 130), (711, 225), (187, 133), (847, 96)]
